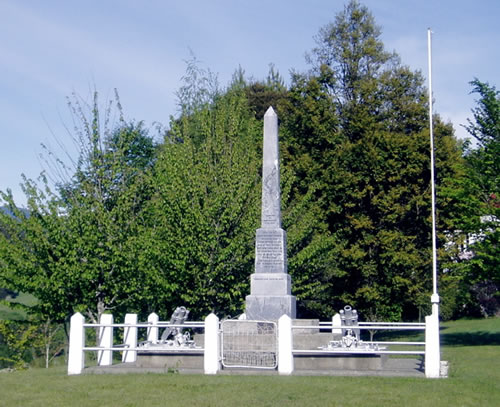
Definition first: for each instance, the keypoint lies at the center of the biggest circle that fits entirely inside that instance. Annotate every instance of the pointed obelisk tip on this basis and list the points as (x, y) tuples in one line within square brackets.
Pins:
[(270, 112)]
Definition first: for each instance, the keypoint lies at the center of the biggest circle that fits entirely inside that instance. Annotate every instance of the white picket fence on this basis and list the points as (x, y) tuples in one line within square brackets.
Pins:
[(431, 344), (212, 350), (105, 339)]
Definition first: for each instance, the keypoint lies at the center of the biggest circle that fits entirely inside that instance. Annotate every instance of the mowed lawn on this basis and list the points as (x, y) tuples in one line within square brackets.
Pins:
[(471, 346)]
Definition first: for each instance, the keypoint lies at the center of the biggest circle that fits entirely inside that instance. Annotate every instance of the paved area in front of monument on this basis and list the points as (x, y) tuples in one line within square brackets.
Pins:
[(393, 367)]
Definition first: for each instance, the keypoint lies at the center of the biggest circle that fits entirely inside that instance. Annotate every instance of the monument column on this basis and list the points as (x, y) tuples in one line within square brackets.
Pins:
[(270, 286)]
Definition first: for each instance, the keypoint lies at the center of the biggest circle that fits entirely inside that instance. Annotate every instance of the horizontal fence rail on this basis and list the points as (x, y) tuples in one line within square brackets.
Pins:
[(394, 343), (358, 351), (392, 323), (196, 324), (121, 348), (416, 327)]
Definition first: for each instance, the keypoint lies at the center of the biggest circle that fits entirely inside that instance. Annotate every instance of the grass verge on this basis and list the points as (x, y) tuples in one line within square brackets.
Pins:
[(471, 347)]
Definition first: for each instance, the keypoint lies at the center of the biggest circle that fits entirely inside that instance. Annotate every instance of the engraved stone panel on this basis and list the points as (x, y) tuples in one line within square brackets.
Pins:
[(270, 251)]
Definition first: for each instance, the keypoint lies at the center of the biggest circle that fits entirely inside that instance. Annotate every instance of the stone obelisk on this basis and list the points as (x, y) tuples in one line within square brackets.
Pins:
[(270, 286)]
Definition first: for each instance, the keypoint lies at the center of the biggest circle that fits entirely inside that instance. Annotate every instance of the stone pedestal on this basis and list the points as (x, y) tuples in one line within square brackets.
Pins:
[(269, 307), (270, 286)]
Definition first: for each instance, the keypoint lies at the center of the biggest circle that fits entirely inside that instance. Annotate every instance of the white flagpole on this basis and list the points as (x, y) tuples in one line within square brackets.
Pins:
[(433, 188), (432, 346)]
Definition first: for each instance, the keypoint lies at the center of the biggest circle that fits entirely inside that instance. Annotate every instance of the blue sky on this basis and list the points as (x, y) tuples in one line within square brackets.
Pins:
[(49, 49)]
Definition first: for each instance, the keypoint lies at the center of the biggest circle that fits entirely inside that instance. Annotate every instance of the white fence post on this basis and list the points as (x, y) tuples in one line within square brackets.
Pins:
[(285, 343), (211, 359), (432, 351), (76, 357), (105, 340), (153, 330), (130, 339)]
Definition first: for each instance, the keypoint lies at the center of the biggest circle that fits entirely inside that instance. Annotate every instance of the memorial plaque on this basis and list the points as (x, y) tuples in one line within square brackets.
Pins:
[(270, 251)]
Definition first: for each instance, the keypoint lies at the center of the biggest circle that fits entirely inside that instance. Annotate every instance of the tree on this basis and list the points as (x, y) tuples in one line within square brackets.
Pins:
[(361, 132), (262, 94), (485, 128), (203, 214), (76, 251), (482, 270), (350, 50), (15, 342)]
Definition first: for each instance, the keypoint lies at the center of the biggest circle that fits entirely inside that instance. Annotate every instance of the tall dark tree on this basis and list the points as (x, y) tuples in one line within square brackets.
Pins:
[(262, 94), (360, 131)]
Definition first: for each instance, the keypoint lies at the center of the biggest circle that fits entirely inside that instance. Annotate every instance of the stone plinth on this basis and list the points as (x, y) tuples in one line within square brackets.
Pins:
[(270, 307), (270, 284)]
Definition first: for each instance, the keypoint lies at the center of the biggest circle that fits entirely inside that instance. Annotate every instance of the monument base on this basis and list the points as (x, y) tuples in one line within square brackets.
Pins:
[(343, 362), (270, 284), (170, 360), (270, 307)]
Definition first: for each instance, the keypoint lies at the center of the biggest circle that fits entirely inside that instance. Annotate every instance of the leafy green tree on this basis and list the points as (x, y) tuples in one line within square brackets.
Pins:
[(351, 52), (49, 341), (484, 160), (310, 131), (15, 343), (486, 127), (76, 251), (311, 248), (203, 214), (482, 270)]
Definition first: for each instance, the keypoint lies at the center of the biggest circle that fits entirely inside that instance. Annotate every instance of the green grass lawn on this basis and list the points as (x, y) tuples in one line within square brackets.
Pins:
[(471, 347)]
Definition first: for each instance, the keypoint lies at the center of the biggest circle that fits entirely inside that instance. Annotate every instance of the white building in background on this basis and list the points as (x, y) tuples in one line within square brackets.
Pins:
[(465, 247)]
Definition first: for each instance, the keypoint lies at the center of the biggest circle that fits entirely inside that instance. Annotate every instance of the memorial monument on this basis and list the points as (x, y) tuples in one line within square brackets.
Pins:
[(270, 286)]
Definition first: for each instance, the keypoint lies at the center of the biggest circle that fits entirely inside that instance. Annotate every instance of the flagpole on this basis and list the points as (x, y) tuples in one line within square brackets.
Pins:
[(432, 345), (435, 297)]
